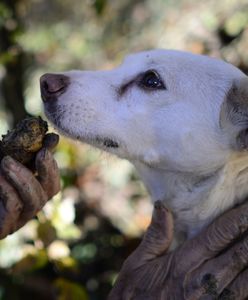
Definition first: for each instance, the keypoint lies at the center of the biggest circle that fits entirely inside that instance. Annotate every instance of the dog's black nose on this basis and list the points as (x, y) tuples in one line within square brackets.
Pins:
[(53, 85)]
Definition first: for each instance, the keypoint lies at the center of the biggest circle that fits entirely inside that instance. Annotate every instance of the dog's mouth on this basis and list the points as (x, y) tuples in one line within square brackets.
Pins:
[(107, 142), (104, 143), (94, 140)]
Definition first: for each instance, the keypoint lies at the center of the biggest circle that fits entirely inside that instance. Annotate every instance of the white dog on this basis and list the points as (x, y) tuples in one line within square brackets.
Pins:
[(180, 118)]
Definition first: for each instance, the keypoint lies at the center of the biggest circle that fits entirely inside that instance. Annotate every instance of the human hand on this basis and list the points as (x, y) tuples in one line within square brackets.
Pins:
[(212, 265), (22, 194)]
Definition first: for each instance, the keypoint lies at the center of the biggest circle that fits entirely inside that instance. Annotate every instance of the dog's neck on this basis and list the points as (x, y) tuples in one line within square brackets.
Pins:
[(196, 200)]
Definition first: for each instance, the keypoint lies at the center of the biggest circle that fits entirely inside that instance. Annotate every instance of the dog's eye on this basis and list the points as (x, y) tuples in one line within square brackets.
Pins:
[(151, 80)]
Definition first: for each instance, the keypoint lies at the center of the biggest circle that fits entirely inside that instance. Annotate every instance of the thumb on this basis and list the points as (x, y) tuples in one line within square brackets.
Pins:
[(159, 234), (156, 242)]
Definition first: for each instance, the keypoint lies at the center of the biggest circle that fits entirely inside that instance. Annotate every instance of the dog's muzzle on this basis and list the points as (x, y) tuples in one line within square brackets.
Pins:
[(53, 85)]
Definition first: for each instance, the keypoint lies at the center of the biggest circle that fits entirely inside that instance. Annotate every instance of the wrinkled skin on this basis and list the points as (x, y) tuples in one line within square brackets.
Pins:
[(22, 194), (213, 265)]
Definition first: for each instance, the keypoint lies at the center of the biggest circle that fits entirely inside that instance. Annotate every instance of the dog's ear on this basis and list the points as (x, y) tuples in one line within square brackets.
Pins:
[(234, 113)]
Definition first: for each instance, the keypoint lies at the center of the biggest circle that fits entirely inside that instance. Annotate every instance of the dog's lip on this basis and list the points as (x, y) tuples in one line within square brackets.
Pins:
[(48, 97), (50, 108), (104, 142), (107, 142), (97, 141)]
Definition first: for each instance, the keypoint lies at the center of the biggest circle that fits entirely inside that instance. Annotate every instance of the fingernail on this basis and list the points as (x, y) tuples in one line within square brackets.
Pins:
[(51, 140), (8, 163), (160, 205), (43, 154)]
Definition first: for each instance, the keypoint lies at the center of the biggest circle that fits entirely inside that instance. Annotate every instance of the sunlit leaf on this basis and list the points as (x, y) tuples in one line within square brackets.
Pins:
[(67, 264), (68, 290), (46, 232), (31, 262), (58, 250), (236, 23)]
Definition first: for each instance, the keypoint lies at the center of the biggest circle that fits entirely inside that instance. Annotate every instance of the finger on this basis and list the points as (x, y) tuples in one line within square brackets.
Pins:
[(29, 189), (238, 289), (122, 290), (48, 172), (4, 222), (146, 282), (215, 238), (156, 241), (10, 208), (50, 141), (127, 292), (150, 295), (159, 234), (211, 278)]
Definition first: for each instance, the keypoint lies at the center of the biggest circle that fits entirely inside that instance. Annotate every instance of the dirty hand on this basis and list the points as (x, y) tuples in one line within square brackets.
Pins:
[(212, 265), (22, 194)]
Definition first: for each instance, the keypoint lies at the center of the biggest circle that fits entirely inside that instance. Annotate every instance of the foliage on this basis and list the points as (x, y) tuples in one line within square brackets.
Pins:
[(75, 247)]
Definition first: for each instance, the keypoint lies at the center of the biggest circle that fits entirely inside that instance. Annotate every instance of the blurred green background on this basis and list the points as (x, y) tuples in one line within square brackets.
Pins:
[(75, 247)]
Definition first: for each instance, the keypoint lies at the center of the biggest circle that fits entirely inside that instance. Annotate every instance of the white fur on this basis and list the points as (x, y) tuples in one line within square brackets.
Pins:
[(173, 136)]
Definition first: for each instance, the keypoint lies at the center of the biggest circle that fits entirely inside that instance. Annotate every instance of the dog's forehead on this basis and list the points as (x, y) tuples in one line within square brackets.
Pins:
[(162, 56), (179, 61), (147, 59)]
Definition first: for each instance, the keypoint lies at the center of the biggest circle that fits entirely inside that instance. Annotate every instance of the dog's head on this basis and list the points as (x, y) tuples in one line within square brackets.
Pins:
[(166, 109)]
